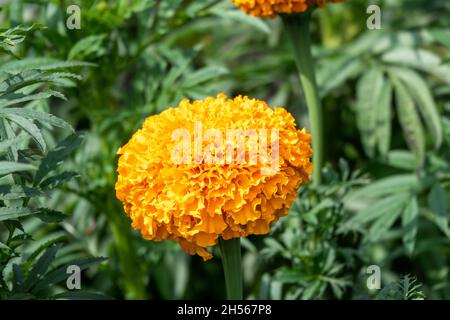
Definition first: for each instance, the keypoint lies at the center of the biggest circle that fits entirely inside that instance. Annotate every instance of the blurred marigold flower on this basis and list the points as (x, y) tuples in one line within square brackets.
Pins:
[(270, 8), (194, 202)]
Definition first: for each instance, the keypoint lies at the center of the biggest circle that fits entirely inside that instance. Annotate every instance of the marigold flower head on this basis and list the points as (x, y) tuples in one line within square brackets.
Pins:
[(270, 8), (195, 201)]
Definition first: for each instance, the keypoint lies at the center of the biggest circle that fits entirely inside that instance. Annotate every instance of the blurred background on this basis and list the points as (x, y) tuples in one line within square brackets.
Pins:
[(384, 200)]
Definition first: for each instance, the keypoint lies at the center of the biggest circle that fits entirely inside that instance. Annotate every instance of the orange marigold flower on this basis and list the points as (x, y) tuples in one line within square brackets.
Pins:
[(270, 8), (195, 201)]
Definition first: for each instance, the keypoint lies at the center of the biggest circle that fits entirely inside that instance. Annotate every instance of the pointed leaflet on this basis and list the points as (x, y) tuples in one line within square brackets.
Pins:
[(43, 64), (368, 96), (7, 167), (438, 201), (60, 274), (30, 128), (56, 156), (40, 116), (424, 100), (7, 213), (40, 267), (382, 209), (384, 187), (15, 98), (409, 223), (384, 222), (410, 122), (383, 130)]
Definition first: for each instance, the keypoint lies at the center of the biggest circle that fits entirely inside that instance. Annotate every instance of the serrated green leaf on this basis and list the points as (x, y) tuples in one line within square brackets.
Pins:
[(60, 274), (40, 116), (50, 216), (30, 128), (7, 143), (51, 242), (15, 98), (7, 167), (57, 180), (8, 213), (39, 268), (44, 64), (10, 192), (56, 156)]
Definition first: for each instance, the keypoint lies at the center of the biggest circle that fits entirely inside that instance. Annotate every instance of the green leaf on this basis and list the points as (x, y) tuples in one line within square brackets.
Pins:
[(15, 98), (203, 75), (50, 216), (80, 295), (40, 267), (401, 159), (57, 180), (28, 78), (40, 116), (30, 128), (442, 36), (7, 132), (18, 277), (410, 122), (60, 274), (8, 213), (410, 222), (412, 57), (424, 100), (438, 201), (402, 183), (10, 192), (238, 16), (383, 126), (56, 156), (7, 167), (91, 45), (7, 143), (379, 210), (4, 246), (43, 64), (384, 223), (51, 242), (10, 38), (369, 90)]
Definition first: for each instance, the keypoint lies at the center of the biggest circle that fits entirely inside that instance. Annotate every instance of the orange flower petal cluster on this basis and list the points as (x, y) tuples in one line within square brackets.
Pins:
[(270, 8), (196, 203)]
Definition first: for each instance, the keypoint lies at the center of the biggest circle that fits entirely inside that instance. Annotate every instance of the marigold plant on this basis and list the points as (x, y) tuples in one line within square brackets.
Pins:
[(270, 8), (196, 202)]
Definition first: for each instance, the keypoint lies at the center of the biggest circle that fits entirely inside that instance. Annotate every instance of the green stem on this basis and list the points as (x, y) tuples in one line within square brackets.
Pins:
[(297, 28), (231, 260)]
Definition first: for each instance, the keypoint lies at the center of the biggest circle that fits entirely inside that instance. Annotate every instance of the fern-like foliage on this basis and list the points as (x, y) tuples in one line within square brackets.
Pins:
[(30, 163), (407, 288)]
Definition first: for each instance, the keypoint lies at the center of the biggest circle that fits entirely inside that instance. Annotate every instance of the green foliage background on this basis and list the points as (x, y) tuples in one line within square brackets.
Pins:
[(70, 98)]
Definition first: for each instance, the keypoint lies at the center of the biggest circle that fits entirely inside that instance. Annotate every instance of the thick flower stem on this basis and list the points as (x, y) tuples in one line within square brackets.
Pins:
[(231, 260), (297, 28)]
